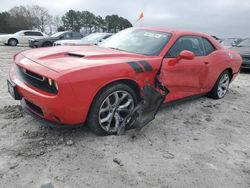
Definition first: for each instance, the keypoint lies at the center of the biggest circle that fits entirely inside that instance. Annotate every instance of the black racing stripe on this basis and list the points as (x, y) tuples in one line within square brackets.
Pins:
[(146, 66), (137, 68)]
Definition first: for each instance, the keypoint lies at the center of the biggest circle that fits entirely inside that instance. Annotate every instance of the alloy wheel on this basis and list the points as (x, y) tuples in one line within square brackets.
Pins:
[(13, 42), (223, 85), (114, 109)]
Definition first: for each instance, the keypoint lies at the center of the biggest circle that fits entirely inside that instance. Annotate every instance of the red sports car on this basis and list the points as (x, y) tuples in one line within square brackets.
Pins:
[(102, 84)]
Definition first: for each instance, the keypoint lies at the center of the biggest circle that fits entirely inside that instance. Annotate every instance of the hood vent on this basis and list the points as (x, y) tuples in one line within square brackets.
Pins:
[(74, 54)]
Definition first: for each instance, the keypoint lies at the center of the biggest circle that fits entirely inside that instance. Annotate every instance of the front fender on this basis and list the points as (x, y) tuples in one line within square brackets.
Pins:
[(87, 82)]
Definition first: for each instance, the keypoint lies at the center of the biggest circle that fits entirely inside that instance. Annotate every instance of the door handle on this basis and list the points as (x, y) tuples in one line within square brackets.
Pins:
[(206, 63)]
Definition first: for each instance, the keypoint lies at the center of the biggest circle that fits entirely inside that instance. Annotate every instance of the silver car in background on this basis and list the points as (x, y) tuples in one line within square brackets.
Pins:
[(91, 39), (244, 49)]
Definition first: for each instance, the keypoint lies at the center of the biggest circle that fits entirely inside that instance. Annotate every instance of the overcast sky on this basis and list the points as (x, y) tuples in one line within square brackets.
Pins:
[(223, 18)]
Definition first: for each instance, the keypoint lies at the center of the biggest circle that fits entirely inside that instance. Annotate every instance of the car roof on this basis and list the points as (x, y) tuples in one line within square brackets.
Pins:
[(30, 31), (180, 32), (174, 31)]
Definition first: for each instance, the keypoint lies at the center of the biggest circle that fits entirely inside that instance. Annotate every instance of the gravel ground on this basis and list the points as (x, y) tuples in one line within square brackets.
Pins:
[(199, 143)]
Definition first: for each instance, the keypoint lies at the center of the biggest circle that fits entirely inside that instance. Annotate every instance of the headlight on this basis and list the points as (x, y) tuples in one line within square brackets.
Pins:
[(52, 83), (56, 85)]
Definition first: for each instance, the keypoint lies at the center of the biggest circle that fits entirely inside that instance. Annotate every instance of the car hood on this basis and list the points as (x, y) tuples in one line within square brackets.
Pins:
[(242, 50), (64, 58)]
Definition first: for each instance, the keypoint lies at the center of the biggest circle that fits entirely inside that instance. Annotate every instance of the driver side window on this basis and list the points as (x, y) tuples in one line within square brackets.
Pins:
[(190, 43)]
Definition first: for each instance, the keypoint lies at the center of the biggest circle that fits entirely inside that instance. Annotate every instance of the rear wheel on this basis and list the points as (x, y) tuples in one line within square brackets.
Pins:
[(12, 42), (110, 107), (220, 88)]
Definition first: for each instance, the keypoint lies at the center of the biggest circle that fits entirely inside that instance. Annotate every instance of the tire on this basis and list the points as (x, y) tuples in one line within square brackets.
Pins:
[(12, 42), (221, 86), (47, 44), (107, 111)]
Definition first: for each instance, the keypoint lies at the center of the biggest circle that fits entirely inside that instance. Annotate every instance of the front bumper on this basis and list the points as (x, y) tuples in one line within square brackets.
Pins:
[(32, 44), (56, 44), (61, 108), (245, 62), (43, 121), (35, 43)]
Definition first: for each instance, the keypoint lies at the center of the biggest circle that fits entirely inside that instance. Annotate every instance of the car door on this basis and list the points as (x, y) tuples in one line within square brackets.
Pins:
[(185, 77), (27, 35), (76, 35), (36, 35), (22, 38)]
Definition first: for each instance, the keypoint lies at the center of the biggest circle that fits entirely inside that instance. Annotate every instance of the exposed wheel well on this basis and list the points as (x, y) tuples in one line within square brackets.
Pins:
[(132, 84), (13, 39), (230, 72)]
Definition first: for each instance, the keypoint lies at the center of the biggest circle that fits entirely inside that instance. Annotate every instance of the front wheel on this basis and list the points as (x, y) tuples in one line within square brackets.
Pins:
[(110, 107), (221, 86), (12, 42)]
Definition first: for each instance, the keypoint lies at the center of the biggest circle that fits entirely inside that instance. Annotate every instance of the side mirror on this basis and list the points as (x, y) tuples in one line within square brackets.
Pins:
[(22, 34), (185, 54)]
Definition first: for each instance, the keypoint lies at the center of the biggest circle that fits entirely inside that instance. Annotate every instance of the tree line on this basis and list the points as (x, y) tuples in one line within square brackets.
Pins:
[(38, 18)]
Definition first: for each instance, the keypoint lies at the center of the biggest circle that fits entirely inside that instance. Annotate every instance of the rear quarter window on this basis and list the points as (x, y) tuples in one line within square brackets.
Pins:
[(209, 48)]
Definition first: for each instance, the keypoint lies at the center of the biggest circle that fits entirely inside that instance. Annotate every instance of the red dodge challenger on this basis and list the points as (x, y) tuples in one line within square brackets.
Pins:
[(102, 84)]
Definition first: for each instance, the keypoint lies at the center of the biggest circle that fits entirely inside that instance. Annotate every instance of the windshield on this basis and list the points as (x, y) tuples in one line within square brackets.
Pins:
[(57, 34), (139, 41), (244, 43), (94, 37), (19, 32)]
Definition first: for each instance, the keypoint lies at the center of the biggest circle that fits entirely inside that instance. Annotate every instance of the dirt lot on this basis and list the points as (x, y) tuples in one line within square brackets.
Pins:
[(200, 143)]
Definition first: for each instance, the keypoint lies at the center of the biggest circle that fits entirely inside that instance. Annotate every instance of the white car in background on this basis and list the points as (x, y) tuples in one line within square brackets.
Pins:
[(21, 37)]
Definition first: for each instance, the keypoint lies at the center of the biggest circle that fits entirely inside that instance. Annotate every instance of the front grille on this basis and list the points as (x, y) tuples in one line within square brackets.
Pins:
[(35, 80), (246, 58), (34, 107), (246, 65), (33, 75)]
